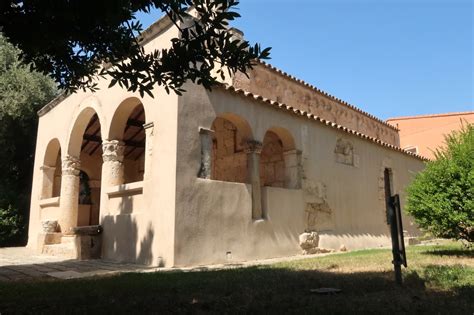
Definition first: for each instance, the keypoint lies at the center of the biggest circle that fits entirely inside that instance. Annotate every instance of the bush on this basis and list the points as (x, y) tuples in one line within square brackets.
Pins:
[(11, 226), (22, 94), (441, 197)]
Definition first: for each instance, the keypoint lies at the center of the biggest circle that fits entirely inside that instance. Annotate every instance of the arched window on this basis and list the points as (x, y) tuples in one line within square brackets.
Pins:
[(280, 161), (272, 163), (229, 158), (51, 186), (127, 127), (85, 146)]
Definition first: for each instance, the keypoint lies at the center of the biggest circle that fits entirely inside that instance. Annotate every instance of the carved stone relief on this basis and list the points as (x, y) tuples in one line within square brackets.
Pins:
[(318, 213), (267, 83), (344, 152)]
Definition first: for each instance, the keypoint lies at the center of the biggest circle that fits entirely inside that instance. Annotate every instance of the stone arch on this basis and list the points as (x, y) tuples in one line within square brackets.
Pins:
[(51, 185), (280, 161), (121, 115), (84, 153), (285, 136), (51, 153), (80, 123), (127, 129), (230, 140)]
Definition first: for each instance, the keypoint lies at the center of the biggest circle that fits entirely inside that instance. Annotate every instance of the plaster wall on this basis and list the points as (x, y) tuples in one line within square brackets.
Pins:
[(214, 222)]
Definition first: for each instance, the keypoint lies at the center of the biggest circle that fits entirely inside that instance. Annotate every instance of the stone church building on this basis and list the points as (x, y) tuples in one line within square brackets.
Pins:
[(234, 174)]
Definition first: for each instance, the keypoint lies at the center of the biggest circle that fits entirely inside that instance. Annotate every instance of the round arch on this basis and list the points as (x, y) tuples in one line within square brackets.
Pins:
[(286, 138), (239, 122), (53, 149), (51, 170), (121, 115), (80, 123), (279, 159), (229, 144)]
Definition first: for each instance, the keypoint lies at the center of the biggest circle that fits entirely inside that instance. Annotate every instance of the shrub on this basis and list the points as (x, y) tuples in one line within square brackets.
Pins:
[(11, 226), (441, 197)]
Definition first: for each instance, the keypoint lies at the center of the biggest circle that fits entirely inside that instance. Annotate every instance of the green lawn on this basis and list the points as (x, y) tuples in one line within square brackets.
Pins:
[(439, 280)]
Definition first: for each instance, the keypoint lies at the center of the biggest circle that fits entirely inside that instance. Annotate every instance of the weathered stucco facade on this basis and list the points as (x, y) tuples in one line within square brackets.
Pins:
[(212, 177)]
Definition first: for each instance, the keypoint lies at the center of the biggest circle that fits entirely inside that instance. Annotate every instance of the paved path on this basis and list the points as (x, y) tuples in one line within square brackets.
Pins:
[(21, 264)]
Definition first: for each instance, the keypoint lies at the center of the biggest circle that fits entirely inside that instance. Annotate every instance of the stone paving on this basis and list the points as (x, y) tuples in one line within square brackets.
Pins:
[(22, 264)]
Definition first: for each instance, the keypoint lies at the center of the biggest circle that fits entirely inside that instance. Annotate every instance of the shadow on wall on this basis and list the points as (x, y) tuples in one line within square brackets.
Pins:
[(123, 238)]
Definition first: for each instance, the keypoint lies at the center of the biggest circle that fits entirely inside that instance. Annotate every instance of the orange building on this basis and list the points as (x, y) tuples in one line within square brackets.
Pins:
[(424, 133)]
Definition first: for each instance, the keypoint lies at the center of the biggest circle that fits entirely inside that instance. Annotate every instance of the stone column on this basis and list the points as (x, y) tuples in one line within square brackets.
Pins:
[(48, 181), (206, 136), (149, 128), (253, 150), (69, 202), (292, 168), (112, 168), (112, 171)]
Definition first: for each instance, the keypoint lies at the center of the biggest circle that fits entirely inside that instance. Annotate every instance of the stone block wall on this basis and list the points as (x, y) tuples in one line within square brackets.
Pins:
[(272, 163), (229, 160)]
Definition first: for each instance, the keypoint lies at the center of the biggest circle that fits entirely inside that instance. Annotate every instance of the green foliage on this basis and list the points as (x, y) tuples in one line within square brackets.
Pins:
[(11, 226), (22, 93), (441, 198), (74, 39)]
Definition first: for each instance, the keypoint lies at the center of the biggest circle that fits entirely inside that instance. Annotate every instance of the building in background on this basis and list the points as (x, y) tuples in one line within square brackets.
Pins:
[(423, 134)]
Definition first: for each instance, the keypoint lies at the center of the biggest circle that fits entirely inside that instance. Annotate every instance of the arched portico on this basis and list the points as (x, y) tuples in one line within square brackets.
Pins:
[(84, 156), (124, 149), (280, 161), (229, 153)]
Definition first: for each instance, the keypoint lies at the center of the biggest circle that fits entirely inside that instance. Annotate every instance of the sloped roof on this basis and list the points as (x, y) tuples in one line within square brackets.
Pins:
[(300, 113), (316, 89)]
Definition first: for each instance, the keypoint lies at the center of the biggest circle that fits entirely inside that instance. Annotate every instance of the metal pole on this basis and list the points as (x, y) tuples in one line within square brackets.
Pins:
[(392, 220)]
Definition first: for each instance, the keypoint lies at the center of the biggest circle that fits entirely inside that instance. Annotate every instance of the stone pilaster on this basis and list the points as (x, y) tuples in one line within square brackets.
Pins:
[(149, 130), (206, 136), (69, 201), (112, 168), (253, 150), (48, 181), (292, 168)]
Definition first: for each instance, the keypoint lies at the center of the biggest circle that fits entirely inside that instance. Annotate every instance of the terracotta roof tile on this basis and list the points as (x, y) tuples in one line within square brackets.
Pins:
[(281, 72), (320, 120)]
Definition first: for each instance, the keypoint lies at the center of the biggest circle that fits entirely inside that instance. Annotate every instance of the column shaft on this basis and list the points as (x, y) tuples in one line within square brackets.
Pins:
[(253, 150), (69, 202), (112, 170), (205, 170), (149, 128)]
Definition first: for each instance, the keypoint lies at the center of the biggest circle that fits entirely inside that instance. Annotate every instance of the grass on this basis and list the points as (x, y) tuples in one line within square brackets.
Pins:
[(439, 279)]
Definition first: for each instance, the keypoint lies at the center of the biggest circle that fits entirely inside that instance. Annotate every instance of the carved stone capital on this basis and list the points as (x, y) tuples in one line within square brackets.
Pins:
[(253, 146), (113, 150), (71, 165)]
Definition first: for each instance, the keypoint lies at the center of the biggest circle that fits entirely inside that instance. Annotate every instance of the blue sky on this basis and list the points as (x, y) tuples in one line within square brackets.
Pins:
[(387, 57)]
